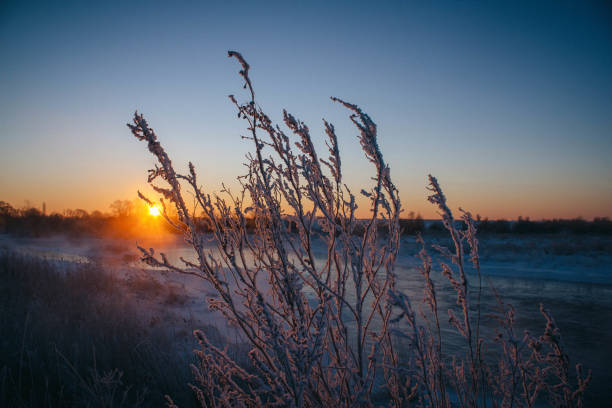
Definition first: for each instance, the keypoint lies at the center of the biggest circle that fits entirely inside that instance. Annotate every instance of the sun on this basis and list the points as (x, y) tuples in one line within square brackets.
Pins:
[(154, 211)]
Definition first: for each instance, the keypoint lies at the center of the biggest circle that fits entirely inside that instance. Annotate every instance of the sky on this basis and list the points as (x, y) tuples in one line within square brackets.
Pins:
[(508, 104)]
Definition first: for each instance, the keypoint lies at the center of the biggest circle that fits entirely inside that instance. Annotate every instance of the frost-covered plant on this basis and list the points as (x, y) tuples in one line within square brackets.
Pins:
[(516, 372), (324, 330)]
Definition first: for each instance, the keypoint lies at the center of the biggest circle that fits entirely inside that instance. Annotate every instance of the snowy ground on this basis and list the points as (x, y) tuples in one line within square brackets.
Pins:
[(570, 275)]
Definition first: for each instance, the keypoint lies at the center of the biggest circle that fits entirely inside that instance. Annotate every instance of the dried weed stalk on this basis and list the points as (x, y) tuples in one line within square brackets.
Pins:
[(324, 332)]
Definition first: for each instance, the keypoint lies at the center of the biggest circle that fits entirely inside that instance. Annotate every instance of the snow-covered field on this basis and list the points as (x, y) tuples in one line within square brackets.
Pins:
[(571, 275)]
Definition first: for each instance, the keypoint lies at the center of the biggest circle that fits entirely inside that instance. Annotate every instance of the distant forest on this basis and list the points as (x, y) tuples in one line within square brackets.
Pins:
[(126, 219)]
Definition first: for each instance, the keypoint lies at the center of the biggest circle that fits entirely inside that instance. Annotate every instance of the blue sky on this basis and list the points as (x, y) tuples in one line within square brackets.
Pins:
[(507, 104)]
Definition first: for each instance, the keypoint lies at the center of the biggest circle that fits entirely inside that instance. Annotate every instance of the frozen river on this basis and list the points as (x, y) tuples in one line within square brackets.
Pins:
[(571, 276)]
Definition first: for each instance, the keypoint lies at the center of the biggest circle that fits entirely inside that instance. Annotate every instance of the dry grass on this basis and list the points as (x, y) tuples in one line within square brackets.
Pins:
[(71, 338)]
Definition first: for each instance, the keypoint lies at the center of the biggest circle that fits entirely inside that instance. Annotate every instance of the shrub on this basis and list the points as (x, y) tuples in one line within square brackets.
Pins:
[(326, 331)]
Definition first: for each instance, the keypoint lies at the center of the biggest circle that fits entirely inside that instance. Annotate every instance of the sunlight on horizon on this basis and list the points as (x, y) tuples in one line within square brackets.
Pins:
[(154, 211)]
